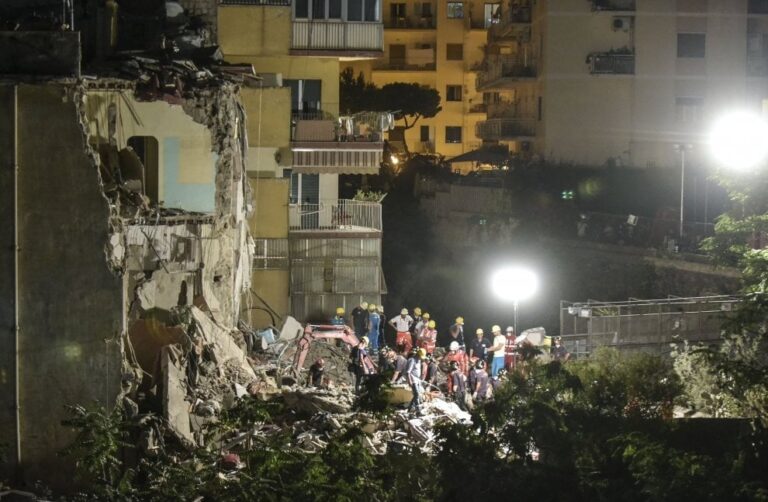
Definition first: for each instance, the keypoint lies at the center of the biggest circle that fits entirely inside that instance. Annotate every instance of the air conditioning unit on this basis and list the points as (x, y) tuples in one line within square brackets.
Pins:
[(271, 79), (621, 23)]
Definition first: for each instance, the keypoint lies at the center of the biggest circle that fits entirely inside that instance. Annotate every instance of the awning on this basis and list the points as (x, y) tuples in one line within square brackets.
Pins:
[(496, 155), (337, 157)]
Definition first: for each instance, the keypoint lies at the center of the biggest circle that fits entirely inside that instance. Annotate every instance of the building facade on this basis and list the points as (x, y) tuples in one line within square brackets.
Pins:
[(620, 82), (439, 45), (314, 251)]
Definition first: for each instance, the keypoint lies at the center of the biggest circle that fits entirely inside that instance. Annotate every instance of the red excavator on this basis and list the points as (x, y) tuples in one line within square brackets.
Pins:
[(313, 332)]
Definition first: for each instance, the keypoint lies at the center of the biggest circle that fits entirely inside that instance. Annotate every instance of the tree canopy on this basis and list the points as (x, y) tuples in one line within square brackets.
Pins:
[(408, 101)]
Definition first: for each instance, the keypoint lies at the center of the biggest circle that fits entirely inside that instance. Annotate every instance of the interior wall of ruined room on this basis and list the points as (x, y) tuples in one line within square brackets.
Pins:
[(69, 303), (186, 161)]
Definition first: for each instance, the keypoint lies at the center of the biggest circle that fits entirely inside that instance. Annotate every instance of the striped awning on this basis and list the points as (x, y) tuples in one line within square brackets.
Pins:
[(337, 157)]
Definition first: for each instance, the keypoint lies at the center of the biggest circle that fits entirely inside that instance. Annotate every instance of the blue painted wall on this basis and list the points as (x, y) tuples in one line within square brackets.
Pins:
[(200, 197)]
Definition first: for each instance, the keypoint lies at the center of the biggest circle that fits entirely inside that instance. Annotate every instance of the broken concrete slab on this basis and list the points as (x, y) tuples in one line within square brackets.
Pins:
[(224, 346), (176, 408)]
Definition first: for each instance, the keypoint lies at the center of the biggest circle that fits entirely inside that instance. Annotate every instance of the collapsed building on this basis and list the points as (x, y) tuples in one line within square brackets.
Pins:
[(124, 207)]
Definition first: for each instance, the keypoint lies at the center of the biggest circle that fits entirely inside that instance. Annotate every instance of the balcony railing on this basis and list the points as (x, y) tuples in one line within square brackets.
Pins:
[(505, 129), (613, 5), (411, 23), (514, 24), (277, 3), (315, 35), (318, 126), (614, 64), (270, 254), (502, 71), (342, 215)]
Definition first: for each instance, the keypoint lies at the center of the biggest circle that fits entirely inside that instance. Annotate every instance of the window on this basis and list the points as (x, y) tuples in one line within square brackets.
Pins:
[(454, 52), (453, 93), (688, 110), (426, 10), (492, 14), (334, 9), (452, 134), (301, 9), (540, 108), (396, 11), (455, 10), (356, 10), (305, 96), (318, 9), (397, 55), (424, 134), (691, 45)]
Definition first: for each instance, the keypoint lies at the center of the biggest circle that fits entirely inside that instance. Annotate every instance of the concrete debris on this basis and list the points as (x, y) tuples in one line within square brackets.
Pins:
[(313, 400)]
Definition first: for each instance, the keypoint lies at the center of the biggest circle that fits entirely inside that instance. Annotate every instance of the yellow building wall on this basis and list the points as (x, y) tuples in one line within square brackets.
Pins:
[(272, 286), (269, 221), (270, 216), (254, 30)]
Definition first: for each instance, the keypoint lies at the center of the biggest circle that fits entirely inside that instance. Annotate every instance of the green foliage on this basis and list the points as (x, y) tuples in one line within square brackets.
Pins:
[(369, 196), (408, 101)]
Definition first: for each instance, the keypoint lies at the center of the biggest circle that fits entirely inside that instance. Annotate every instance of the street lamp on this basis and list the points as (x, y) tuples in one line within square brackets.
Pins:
[(514, 284), (739, 140), (682, 148)]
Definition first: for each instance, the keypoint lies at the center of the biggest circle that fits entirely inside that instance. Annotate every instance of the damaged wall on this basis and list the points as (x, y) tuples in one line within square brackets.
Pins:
[(185, 163), (92, 269), (70, 305)]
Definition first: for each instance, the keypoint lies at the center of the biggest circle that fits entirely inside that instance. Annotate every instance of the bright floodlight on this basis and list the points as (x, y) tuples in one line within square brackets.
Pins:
[(514, 284), (739, 140)]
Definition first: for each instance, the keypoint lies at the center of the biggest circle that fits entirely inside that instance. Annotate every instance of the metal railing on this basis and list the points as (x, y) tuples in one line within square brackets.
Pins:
[(401, 65), (613, 5), (499, 68), (642, 325), (337, 35), (336, 276), (411, 23), (336, 215), (508, 128), (323, 126), (270, 254), (275, 3), (608, 63)]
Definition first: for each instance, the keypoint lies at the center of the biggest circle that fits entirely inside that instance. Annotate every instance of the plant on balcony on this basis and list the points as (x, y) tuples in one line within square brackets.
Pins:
[(369, 196)]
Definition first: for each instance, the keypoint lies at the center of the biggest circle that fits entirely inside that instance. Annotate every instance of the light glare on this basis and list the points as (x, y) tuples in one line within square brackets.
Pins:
[(514, 284), (739, 140)]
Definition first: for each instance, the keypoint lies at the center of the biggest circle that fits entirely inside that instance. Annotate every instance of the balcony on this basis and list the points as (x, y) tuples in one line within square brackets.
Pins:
[(346, 145), (515, 24), (337, 38), (613, 5), (506, 129), (410, 23), (338, 215), (414, 60), (606, 63), (478, 108), (504, 72), (274, 3)]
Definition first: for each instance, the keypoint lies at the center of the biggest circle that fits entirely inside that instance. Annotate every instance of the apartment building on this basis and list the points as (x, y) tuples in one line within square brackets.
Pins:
[(620, 82), (314, 251), (440, 45)]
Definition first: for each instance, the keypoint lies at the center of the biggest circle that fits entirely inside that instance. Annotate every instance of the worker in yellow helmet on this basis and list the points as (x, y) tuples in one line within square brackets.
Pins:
[(417, 326), (428, 337), (456, 332), (374, 321), (338, 319), (499, 350)]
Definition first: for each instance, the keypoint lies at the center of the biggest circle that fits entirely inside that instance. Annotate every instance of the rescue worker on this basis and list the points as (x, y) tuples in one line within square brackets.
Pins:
[(511, 349), (418, 325), (360, 319), (499, 350), (373, 329), (413, 375), (399, 362), (454, 354), (457, 385), (382, 326), (428, 338), (338, 319), (456, 333), (559, 352), (429, 369), (385, 364), (481, 382), (402, 325), (316, 374), (478, 349), (363, 366)]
